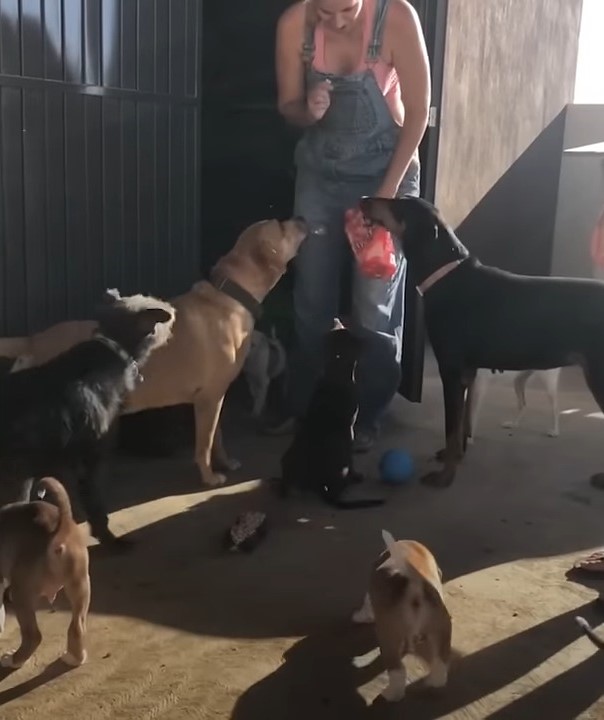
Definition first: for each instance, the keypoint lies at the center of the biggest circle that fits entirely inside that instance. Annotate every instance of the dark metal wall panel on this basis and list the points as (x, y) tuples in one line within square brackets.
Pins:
[(99, 153), (433, 17)]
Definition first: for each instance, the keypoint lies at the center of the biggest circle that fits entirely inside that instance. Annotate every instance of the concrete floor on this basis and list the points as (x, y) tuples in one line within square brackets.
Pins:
[(179, 630)]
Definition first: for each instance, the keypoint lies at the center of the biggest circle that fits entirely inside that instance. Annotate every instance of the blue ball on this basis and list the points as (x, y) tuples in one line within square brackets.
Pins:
[(396, 467)]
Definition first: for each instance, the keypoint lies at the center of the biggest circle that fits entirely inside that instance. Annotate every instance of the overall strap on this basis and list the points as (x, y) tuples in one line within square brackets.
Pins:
[(308, 44), (375, 46)]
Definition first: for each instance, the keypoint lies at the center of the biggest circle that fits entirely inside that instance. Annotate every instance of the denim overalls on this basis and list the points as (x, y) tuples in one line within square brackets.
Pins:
[(339, 159)]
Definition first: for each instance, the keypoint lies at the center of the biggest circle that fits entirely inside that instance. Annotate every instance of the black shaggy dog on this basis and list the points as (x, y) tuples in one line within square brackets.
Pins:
[(55, 419), (320, 458)]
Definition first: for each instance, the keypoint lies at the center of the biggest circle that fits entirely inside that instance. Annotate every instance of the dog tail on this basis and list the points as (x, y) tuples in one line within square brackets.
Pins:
[(397, 556), (23, 362), (590, 632), (14, 346), (363, 661), (61, 499), (341, 504)]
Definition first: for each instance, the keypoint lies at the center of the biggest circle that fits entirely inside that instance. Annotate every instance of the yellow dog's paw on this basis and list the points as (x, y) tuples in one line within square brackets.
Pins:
[(71, 660), (214, 479)]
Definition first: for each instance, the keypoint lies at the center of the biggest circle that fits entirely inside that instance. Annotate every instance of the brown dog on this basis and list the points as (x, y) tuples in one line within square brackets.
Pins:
[(210, 338), (42, 550), (406, 602), (41, 347)]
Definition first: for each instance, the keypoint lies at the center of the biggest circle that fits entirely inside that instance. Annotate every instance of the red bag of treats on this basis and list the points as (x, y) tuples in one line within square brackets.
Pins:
[(372, 246)]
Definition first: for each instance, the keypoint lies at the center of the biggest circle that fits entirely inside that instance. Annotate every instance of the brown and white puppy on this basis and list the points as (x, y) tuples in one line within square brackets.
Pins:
[(210, 337), (42, 550), (406, 602)]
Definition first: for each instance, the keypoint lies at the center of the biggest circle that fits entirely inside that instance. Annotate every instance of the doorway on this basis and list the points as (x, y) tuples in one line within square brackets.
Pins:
[(433, 17)]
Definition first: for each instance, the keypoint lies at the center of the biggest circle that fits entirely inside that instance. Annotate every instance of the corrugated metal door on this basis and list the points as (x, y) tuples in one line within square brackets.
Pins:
[(99, 153), (247, 147)]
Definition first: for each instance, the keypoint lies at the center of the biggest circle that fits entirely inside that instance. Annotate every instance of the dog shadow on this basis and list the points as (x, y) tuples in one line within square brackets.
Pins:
[(591, 580), (318, 679), (50, 673)]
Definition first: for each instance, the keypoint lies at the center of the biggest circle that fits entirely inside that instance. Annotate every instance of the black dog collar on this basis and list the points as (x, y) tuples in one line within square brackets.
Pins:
[(122, 354), (242, 296)]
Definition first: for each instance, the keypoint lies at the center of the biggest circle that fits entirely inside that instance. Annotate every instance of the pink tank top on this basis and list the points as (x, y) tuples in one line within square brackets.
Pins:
[(384, 73)]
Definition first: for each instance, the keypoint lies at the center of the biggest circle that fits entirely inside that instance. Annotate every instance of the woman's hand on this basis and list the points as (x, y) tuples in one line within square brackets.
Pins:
[(319, 99)]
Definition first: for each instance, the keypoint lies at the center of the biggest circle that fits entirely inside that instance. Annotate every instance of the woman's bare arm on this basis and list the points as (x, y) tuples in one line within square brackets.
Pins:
[(410, 60), (291, 92)]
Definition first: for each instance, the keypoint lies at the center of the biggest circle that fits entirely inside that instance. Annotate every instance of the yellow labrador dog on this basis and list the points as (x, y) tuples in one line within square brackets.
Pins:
[(210, 338)]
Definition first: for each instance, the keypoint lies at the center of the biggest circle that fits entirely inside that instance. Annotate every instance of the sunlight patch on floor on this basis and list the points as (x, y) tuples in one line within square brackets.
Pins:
[(595, 416), (136, 517)]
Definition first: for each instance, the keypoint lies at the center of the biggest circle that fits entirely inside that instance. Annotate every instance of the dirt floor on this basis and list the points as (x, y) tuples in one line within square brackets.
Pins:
[(178, 629)]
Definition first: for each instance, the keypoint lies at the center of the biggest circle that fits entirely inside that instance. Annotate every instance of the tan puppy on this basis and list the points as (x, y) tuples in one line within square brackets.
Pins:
[(406, 602), (42, 550), (210, 337)]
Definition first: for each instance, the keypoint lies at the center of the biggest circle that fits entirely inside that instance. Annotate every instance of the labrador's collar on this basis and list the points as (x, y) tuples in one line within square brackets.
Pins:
[(137, 376), (234, 290)]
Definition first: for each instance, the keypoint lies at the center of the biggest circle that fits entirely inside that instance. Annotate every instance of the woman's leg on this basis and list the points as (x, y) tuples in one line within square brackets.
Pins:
[(317, 272), (378, 313)]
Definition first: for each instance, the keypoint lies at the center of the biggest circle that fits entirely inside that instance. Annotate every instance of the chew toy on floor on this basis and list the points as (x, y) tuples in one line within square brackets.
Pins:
[(247, 531)]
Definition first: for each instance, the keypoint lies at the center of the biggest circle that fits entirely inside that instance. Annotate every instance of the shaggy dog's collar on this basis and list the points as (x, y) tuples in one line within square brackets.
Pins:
[(136, 377)]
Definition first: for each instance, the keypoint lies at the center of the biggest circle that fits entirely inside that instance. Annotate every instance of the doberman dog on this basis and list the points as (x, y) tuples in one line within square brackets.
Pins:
[(483, 317)]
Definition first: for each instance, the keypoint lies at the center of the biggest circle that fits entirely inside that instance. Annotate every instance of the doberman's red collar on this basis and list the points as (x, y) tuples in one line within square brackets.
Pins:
[(438, 275)]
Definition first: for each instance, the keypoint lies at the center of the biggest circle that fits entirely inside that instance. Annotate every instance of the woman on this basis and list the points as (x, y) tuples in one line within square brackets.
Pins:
[(355, 75)]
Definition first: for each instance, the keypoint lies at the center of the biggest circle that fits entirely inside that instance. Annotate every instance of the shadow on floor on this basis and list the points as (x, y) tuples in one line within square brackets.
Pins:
[(50, 673), (178, 574), (318, 680), (517, 498)]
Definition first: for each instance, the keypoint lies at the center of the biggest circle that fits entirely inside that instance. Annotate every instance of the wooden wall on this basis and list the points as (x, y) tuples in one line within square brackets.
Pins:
[(509, 72)]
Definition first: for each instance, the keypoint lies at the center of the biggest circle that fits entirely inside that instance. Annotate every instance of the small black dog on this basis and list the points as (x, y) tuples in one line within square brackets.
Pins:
[(320, 458), (55, 419)]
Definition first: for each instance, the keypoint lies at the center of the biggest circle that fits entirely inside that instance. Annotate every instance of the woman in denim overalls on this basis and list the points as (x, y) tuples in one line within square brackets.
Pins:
[(359, 140)]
